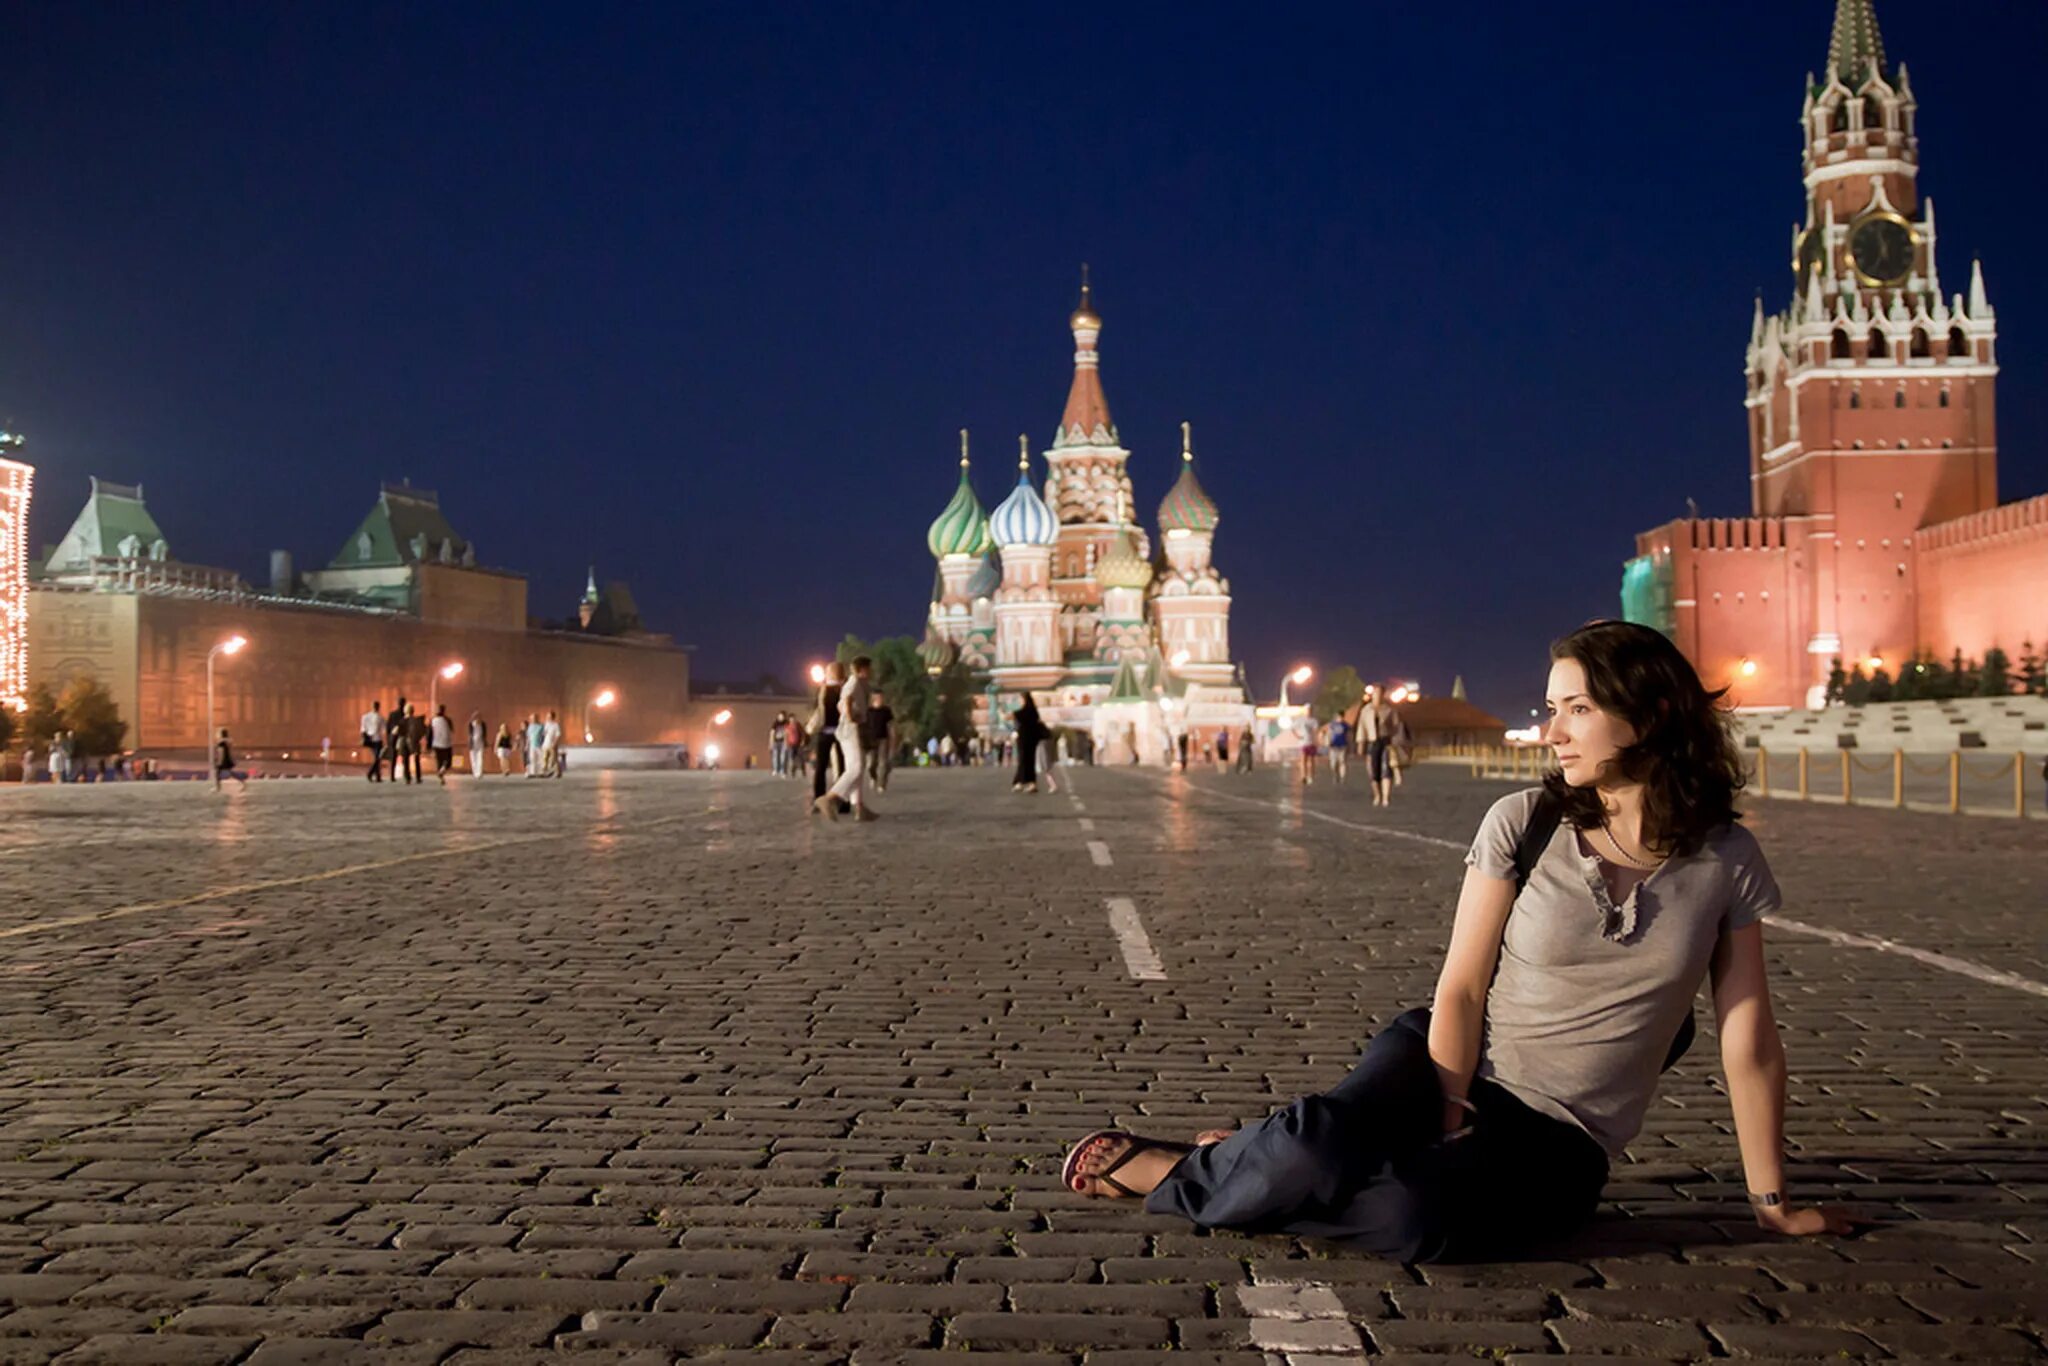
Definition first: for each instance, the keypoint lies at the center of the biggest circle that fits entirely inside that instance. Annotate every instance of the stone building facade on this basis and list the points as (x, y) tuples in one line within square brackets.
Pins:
[(110, 601)]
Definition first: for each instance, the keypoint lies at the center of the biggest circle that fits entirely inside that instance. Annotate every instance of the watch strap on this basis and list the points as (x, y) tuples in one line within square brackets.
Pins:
[(1766, 1200)]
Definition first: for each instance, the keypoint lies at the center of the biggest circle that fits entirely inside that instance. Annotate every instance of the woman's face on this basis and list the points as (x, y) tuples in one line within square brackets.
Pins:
[(1588, 740)]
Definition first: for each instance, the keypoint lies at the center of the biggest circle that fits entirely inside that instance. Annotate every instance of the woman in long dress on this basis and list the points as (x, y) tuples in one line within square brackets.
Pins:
[(1030, 730)]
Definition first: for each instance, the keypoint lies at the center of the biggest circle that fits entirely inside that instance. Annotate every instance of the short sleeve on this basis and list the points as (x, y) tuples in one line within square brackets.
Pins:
[(1752, 890), (1493, 848)]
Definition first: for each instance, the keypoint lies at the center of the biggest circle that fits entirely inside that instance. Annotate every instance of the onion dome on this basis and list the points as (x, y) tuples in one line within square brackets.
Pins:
[(962, 529), (1085, 316), (1186, 506), (1122, 567), (987, 578), (1023, 518), (937, 652)]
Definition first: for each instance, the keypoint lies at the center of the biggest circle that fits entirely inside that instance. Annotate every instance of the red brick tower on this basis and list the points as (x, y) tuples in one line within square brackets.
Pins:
[(1870, 405)]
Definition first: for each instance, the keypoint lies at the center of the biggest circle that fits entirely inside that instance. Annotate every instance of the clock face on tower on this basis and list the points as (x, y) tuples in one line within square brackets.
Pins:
[(1882, 248)]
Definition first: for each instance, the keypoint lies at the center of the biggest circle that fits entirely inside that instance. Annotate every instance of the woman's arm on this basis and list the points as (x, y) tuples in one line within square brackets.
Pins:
[(1458, 1016), (1753, 1057)]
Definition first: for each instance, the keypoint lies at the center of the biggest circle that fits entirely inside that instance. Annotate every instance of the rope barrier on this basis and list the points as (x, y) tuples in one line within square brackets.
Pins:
[(1992, 776)]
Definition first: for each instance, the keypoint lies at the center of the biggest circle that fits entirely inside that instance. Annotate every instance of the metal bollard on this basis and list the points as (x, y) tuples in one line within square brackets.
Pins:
[(1803, 792), (1955, 782), (1763, 772), (1899, 778), (1846, 794)]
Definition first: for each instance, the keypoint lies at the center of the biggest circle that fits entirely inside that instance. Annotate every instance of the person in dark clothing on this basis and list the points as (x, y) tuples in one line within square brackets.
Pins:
[(1030, 730), (415, 742), (825, 732), (224, 761), (879, 749), (394, 740)]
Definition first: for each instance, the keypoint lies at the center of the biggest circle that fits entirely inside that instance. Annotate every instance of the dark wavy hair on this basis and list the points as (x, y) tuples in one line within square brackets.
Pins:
[(1684, 754)]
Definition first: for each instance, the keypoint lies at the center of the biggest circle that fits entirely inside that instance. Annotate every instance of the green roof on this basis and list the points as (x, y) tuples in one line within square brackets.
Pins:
[(405, 527), (113, 513), (1855, 47), (1125, 688)]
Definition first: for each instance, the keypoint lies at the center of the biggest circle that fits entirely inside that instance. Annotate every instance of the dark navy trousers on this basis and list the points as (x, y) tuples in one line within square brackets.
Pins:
[(1364, 1163)]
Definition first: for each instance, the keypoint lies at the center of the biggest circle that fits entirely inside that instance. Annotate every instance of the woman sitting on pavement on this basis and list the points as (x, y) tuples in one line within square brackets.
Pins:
[(1485, 1124)]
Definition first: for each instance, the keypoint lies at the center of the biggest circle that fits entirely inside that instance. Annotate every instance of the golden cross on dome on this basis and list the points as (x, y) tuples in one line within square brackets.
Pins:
[(963, 448), (1023, 453), (1187, 442)]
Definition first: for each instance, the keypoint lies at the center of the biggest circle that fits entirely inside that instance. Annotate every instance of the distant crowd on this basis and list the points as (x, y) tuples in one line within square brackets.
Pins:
[(397, 741)]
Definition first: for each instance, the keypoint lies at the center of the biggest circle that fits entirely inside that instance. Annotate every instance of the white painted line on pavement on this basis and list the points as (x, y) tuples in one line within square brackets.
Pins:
[(1080, 805), (1087, 822), (1961, 966), (1141, 960), (1303, 1319), (1285, 809), (1996, 977), (1099, 851)]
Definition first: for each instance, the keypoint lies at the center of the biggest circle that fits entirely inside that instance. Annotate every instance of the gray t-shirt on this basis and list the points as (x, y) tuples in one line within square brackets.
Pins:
[(1588, 995)]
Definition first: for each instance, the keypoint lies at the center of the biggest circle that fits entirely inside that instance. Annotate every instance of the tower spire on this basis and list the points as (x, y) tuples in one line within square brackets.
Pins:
[(1086, 420), (1187, 443), (963, 450), (1855, 48), (1023, 453)]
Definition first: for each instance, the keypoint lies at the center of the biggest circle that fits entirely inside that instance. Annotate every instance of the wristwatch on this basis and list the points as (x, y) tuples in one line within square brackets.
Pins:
[(1768, 1200)]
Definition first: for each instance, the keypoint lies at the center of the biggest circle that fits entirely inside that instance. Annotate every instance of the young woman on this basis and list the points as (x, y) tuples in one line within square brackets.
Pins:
[(504, 747), (1030, 730), (1480, 1126)]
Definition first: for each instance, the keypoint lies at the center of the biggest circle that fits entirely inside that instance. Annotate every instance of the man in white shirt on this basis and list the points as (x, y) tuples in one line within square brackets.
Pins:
[(373, 740), (551, 748), (441, 739)]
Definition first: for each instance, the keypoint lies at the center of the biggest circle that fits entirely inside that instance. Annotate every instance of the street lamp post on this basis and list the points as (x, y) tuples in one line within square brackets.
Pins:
[(710, 750), (450, 671), (603, 697), (1300, 675), (231, 646)]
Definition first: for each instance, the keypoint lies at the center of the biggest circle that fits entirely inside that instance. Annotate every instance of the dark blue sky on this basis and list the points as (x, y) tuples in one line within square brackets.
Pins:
[(1455, 296)]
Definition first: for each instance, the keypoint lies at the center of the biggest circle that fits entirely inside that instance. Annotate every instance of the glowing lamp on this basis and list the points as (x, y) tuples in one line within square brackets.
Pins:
[(817, 673), (605, 698), (711, 753), (452, 669), (233, 645), (1874, 663), (1303, 674), (1399, 694), (721, 718), (1747, 668)]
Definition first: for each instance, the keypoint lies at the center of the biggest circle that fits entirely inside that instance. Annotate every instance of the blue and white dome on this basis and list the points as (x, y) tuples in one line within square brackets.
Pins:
[(1024, 519)]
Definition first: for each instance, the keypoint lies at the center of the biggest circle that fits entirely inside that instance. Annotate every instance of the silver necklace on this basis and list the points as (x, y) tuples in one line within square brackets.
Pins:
[(1614, 843)]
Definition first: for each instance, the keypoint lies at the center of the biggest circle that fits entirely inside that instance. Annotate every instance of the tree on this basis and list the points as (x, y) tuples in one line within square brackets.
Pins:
[(949, 710), (1838, 682), (1906, 688), (92, 718), (1341, 691), (1880, 685), (2031, 672), (1995, 679), (901, 677), (1936, 682), (41, 722), (1969, 678), (1856, 690)]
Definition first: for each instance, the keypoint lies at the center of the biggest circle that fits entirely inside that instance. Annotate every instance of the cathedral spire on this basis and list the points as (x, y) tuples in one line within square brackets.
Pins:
[(1855, 48), (1086, 421)]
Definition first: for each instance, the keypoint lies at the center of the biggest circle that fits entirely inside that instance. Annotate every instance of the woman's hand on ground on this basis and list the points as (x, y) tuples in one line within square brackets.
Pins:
[(1803, 1222)]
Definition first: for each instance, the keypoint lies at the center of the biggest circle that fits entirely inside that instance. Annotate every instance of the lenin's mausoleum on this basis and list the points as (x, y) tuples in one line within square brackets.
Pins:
[(1875, 531)]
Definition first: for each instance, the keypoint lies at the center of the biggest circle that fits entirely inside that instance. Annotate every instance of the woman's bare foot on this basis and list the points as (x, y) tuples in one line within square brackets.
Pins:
[(1208, 1136), (1106, 1166)]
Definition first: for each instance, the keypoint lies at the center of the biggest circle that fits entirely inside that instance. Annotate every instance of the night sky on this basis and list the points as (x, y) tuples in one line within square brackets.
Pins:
[(1455, 295)]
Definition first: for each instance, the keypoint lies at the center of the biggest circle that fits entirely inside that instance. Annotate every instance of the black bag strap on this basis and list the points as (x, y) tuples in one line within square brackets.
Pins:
[(1543, 822)]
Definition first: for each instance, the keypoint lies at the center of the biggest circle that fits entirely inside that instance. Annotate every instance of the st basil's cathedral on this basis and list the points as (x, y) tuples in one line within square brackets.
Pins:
[(1062, 594)]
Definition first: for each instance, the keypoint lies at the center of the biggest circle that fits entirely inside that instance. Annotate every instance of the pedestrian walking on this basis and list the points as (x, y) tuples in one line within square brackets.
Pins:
[(778, 744), (1223, 750), (1376, 730), (416, 737), (1478, 1127), (441, 739), (1030, 729), (1244, 750), (479, 744), (504, 748), (792, 748), (61, 751), (1049, 758), (224, 759), (1400, 748), (533, 734), (551, 760), (1338, 738), (1308, 752), (824, 731), (396, 743), (373, 740), (855, 699), (881, 741)]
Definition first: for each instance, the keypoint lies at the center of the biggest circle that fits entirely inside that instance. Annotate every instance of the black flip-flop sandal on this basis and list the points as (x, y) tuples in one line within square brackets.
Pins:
[(1138, 1144)]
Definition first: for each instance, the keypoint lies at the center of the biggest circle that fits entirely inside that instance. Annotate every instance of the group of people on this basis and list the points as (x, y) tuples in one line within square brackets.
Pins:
[(396, 742), (1380, 738)]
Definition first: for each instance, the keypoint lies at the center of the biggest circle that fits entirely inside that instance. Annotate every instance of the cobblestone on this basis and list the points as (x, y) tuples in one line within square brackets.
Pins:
[(682, 1072)]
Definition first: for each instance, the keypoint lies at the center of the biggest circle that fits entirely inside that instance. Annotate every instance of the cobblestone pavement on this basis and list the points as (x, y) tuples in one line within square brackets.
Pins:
[(640, 1066)]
